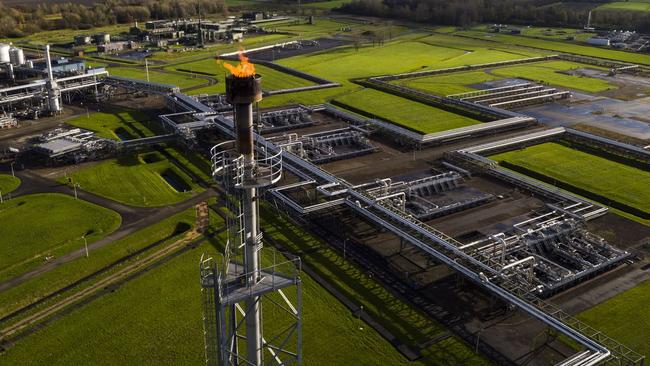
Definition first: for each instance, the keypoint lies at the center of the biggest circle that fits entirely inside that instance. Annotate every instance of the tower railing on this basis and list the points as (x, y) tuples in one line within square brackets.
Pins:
[(227, 164)]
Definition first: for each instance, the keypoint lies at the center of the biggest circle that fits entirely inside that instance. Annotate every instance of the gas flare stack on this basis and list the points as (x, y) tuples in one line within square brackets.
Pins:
[(234, 289)]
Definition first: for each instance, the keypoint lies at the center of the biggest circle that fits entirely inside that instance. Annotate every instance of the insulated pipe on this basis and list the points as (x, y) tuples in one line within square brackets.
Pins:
[(516, 263)]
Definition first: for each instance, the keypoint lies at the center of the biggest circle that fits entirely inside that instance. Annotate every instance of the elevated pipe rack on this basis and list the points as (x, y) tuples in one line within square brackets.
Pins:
[(446, 250)]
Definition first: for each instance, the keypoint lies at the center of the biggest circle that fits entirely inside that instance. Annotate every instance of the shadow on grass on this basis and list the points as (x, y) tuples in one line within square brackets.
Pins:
[(401, 319), (128, 161), (404, 321)]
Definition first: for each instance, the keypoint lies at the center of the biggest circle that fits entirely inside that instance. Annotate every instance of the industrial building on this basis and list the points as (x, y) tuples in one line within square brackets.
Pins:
[(72, 145), (61, 66)]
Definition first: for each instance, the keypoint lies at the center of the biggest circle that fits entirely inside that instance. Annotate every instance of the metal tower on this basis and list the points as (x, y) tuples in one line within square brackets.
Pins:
[(53, 90), (233, 290)]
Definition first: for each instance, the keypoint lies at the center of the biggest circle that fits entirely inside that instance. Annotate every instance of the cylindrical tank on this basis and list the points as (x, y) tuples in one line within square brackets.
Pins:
[(16, 56), (4, 52)]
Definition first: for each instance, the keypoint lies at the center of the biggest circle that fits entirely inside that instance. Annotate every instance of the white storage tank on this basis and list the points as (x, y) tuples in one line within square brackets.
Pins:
[(4, 52), (16, 56)]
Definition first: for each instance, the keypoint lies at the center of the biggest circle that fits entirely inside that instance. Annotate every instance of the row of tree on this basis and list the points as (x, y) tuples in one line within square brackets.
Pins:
[(524, 12), (17, 21)]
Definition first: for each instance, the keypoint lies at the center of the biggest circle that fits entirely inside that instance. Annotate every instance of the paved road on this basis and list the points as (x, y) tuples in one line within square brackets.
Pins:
[(32, 183), (133, 218)]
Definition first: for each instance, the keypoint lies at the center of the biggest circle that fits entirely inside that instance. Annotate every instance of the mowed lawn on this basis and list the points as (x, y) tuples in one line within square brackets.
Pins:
[(137, 180), (616, 181), (554, 73), (157, 319), (410, 53), (8, 183), (40, 225), (404, 112), (406, 53), (181, 81), (116, 124), (161, 233), (561, 46), (625, 318), (643, 6), (447, 84)]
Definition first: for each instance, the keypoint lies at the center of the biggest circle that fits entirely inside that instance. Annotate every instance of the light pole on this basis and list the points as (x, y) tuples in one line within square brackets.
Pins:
[(1, 197), (12, 169), (478, 338), (85, 245), (75, 185)]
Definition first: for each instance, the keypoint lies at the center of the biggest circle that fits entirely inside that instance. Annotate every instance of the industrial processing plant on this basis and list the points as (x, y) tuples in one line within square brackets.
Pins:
[(270, 184)]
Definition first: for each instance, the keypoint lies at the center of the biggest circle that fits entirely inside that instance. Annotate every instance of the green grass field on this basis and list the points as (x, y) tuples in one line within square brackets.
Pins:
[(182, 81), (553, 73), (616, 181), (136, 335), (642, 6), (558, 46), (557, 33), (411, 52), (327, 26), (412, 115), (40, 225), (446, 84), (117, 124), (36, 288), (157, 319), (8, 183), (624, 317), (198, 164), (327, 5), (137, 180)]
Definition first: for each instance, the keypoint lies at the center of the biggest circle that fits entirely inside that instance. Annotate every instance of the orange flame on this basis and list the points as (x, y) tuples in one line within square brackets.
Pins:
[(244, 69)]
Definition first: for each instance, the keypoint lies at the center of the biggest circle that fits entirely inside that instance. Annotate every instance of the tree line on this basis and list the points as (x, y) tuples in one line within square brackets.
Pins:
[(523, 12), (18, 21)]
